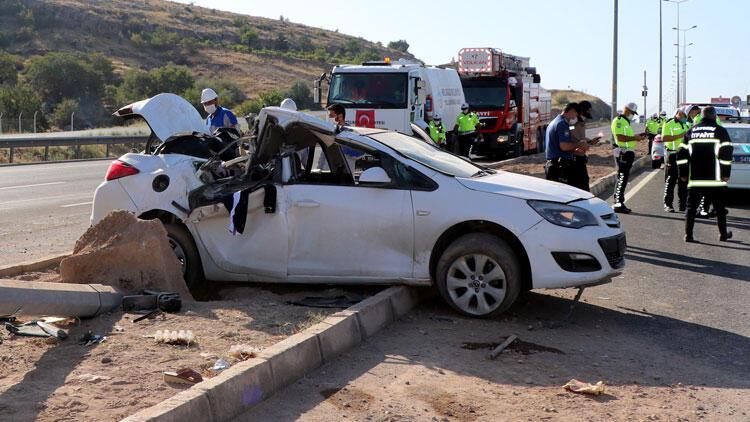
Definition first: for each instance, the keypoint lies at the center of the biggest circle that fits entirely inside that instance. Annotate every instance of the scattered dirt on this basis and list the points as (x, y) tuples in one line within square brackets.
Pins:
[(348, 398), (519, 346), (127, 253), (111, 380)]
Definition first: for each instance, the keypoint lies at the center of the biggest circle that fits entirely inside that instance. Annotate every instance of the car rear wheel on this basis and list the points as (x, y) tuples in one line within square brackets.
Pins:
[(184, 248), (479, 275)]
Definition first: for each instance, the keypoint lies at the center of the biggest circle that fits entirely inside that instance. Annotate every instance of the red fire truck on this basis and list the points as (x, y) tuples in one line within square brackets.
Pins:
[(505, 93)]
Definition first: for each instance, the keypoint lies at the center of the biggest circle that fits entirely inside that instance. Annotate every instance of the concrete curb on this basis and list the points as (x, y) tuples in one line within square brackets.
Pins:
[(247, 383), (30, 266)]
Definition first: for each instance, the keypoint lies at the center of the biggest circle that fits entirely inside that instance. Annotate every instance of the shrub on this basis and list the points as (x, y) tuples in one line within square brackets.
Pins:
[(61, 114), (400, 45)]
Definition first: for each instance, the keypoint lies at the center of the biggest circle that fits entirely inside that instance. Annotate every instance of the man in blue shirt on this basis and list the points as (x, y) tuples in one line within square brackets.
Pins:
[(560, 147), (218, 117)]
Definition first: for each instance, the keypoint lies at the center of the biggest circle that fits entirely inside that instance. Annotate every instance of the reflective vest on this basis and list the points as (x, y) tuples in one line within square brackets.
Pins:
[(653, 126), (467, 123), (705, 157), (697, 119), (674, 127), (437, 133), (621, 126)]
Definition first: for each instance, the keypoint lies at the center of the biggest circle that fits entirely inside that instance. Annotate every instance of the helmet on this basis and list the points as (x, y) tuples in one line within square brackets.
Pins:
[(436, 117), (465, 106), (654, 116), (207, 95), (663, 114), (680, 110), (289, 104), (632, 107)]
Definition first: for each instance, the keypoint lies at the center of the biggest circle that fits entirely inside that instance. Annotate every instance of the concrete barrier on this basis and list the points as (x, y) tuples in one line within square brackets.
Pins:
[(13, 270), (62, 299)]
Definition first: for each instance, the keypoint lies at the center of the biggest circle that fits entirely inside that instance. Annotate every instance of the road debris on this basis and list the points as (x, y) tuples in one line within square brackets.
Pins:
[(90, 338), (220, 365), (183, 376), (36, 328), (499, 349), (243, 351), (181, 337), (581, 387)]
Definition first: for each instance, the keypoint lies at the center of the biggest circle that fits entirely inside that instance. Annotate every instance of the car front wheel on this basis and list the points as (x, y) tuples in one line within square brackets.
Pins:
[(478, 275)]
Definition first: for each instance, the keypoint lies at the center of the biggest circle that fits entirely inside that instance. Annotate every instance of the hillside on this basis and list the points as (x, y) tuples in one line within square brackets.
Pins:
[(599, 109), (258, 54)]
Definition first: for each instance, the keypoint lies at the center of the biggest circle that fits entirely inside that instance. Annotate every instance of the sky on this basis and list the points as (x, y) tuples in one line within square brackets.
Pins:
[(569, 42)]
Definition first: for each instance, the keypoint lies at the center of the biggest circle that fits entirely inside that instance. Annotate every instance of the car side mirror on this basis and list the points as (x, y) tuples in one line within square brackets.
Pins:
[(374, 176)]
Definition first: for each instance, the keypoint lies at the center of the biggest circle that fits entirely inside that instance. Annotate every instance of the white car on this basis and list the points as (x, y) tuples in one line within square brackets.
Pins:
[(361, 206), (739, 133)]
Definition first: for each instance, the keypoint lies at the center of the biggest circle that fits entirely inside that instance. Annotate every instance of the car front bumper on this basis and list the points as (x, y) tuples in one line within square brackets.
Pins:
[(605, 244)]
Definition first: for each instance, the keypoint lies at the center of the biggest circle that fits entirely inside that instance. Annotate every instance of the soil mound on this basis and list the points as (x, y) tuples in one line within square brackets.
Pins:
[(126, 253)]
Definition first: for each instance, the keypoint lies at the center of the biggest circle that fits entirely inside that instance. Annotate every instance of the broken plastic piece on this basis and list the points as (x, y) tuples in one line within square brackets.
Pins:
[(220, 365), (183, 376), (581, 387), (181, 337)]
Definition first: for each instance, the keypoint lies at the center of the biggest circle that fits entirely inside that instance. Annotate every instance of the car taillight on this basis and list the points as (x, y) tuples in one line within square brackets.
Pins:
[(119, 169), (428, 104)]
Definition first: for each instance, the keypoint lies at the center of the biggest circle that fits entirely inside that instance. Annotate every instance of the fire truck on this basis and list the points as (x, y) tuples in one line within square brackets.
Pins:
[(506, 94)]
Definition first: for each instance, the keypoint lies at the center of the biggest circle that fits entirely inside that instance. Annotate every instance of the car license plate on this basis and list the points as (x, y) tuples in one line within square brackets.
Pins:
[(741, 159)]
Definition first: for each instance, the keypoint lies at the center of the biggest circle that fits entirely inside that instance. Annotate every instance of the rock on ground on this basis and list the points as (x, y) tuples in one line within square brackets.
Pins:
[(127, 253)]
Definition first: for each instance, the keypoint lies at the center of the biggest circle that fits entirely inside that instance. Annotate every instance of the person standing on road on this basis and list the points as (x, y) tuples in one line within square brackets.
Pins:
[(705, 160), (560, 147), (437, 131), (580, 175), (672, 133), (653, 128), (218, 117), (625, 140), (467, 124)]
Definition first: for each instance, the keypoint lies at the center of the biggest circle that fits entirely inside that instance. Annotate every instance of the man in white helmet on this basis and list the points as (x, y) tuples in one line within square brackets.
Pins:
[(625, 140), (218, 117)]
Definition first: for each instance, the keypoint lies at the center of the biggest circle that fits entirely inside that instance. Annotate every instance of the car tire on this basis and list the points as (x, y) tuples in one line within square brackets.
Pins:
[(183, 244), (480, 297)]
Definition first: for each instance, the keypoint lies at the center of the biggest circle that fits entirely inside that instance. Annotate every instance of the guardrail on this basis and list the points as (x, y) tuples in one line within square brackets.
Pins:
[(46, 142)]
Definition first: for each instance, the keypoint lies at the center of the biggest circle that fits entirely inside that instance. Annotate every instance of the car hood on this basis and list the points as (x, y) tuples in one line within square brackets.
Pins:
[(167, 115), (524, 187)]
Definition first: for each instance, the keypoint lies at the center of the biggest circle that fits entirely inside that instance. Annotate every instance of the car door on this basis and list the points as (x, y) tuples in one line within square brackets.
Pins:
[(342, 231), (260, 251)]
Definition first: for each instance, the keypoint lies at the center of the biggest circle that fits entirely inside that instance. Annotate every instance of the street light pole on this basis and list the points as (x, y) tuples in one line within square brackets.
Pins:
[(614, 65), (660, 106), (678, 2)]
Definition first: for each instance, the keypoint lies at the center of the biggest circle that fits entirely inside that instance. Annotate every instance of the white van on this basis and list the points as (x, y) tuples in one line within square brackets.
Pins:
[(392, 95)]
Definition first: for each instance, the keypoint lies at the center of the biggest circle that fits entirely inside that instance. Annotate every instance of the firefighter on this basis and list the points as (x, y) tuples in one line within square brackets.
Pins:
[(466, 127), (437, 131), (672, 134), (560, 147), (653, 128), (579, 175), (625, 141), (705, 163)]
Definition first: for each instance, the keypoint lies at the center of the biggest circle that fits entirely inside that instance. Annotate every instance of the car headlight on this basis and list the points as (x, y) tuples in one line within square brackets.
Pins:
[(564, 215)]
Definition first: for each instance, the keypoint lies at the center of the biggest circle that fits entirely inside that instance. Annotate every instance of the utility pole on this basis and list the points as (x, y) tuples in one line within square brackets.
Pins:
[(677, 2), (645, 94), (614, 66), (660, 106)]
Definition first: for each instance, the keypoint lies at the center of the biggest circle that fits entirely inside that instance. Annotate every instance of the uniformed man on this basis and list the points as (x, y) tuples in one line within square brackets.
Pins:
[(579, 176), (467, 124), (560, 147), (692, 113), (625, 141), (218, 117), (705, 163), (672, 134), (653, 128), (437, 131)]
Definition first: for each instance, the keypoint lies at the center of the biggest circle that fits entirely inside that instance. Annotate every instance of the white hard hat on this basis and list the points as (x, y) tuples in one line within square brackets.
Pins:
[(680, 110), (632, 107), (653, 116), (436, 117), (207, 95), (663, 113), (289, 104), (464, 105)]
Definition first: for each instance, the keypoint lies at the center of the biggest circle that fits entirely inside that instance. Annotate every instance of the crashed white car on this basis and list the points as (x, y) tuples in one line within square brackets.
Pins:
[(361, 206)]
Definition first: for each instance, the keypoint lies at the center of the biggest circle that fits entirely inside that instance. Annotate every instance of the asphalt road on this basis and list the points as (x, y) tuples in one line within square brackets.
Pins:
[(670, 337), (45, 208)]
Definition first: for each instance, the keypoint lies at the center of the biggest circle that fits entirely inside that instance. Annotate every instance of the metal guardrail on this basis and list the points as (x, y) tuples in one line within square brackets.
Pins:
[(77, 142)]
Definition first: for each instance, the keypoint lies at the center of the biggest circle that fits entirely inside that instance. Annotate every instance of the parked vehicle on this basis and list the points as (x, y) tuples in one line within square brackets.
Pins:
[(388, 216), (506, 94), (739, 133), (393, 95)]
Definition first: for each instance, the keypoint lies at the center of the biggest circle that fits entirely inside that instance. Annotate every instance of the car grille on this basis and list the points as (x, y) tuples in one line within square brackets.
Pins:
[(614, 249), (611, 220)]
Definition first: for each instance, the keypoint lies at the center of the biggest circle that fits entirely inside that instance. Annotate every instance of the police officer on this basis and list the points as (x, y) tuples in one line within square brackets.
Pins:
[(625, 140), (693, 115), (466, 128), (653, 127), (218, 117), (672, 134), (437, 131), (579, 176), (560, 147), (705, 163)]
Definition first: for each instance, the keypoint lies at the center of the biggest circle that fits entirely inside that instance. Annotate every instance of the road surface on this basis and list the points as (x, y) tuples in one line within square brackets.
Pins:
[(669, 338), (45, 208)]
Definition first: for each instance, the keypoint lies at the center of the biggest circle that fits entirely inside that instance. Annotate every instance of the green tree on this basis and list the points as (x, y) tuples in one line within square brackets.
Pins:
[(249, 37), (61, 114), (138, 84), (57, 76), (9, 66), (172, 78), (20, 98), (400, 45), (301, 93), (280, 43), (230, 94)]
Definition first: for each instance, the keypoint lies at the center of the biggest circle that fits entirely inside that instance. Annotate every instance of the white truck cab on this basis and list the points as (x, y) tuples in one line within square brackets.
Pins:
[(393, 95)]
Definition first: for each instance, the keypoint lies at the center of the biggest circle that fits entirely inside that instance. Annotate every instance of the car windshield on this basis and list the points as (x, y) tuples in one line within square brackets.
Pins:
[(371, 90), (428, 155), (485, 93), (739, 135)]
